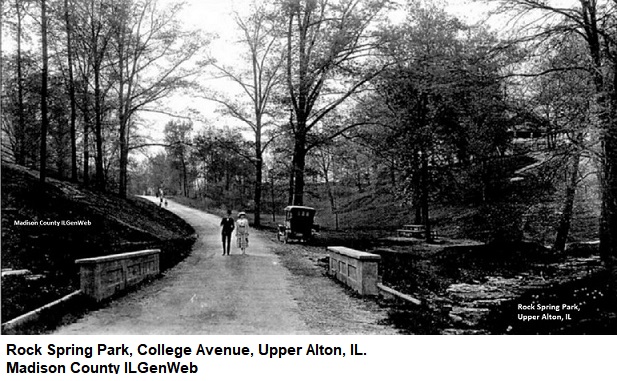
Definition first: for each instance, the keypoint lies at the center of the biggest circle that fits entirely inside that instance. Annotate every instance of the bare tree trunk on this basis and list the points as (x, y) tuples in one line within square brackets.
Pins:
[(603, 110), (73, 102), (124, 149), (290, 198), (98, 128), (97, 56), (123, 162), (185, 187), (299, 163), (272, 197), (308, 71), (418, 211), (610, 253), (86, 139), (44, 114), (608, 219), (301, 105), (123, 137), (424, 198), (124, 99), (258, 190), (566, 214), (418, 192), (608, 216), (20, 156), (258, 158), (333, 207)]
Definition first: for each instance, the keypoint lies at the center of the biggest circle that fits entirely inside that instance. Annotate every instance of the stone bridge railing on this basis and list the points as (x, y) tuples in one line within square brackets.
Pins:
[(356, 269), (102, 277)]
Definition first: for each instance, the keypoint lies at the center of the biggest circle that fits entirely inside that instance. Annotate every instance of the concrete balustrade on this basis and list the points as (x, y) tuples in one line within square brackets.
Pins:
[(102, 277), (355, 268)]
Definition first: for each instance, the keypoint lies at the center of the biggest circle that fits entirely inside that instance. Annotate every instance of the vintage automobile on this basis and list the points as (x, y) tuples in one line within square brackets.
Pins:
[(298, 224)]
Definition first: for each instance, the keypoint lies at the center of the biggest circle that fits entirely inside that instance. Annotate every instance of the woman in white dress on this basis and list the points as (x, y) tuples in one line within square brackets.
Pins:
[(242, 232)]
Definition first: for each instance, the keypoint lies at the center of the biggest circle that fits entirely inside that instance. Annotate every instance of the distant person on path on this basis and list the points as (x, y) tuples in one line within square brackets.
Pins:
[(242, 232), (161, 196), (227, 225)]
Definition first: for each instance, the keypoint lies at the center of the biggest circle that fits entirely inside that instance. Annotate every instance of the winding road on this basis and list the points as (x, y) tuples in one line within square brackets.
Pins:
[(207, 293)]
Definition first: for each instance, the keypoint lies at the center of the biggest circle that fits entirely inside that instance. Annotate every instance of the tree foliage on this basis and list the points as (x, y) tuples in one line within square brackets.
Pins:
[(440, 105), (259, 83), (327, 42), (113, 59), (594, 24)]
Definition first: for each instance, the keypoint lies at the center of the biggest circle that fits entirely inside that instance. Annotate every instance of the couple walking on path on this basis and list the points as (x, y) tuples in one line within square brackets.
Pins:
[(242, 232)]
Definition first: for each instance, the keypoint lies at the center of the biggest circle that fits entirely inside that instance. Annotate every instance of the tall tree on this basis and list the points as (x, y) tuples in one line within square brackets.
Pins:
[(327, 44), (99, 40), (71, 86), (259, 84), (44, 105), (595, 24), (92, 33), (21, 87), (91, 38), (439, 104), (152, 59), (561, 103), (21, 136)]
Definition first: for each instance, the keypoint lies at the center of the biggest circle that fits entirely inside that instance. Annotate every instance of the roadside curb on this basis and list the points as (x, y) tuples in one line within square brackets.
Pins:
[(390, 292), (10, 326)]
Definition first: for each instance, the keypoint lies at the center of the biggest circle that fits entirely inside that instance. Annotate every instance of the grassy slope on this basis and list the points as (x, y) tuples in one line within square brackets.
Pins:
[(378, 209), (117, 225)]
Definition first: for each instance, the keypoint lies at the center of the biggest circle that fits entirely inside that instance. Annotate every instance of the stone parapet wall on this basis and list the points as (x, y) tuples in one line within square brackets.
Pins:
[(356, 269), (103, 277)]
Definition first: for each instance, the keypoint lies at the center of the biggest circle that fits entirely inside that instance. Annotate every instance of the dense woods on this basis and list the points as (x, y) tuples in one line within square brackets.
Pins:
[(340, 93), (90, 66)]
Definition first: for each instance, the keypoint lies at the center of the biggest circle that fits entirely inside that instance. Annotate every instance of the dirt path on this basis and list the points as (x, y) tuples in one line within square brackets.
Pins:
[(239, 294)]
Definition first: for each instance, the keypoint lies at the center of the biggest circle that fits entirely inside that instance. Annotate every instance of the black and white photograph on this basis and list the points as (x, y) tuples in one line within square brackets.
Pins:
[(307, 168)]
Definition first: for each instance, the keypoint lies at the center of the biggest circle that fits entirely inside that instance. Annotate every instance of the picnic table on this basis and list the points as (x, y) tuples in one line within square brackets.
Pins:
[(414, 230)]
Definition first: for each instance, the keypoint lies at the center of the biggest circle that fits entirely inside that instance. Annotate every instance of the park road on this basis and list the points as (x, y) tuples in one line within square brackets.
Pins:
[(207, 293)]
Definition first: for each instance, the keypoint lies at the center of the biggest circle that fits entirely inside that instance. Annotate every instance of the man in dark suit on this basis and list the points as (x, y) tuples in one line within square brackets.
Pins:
[(227, 225)]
